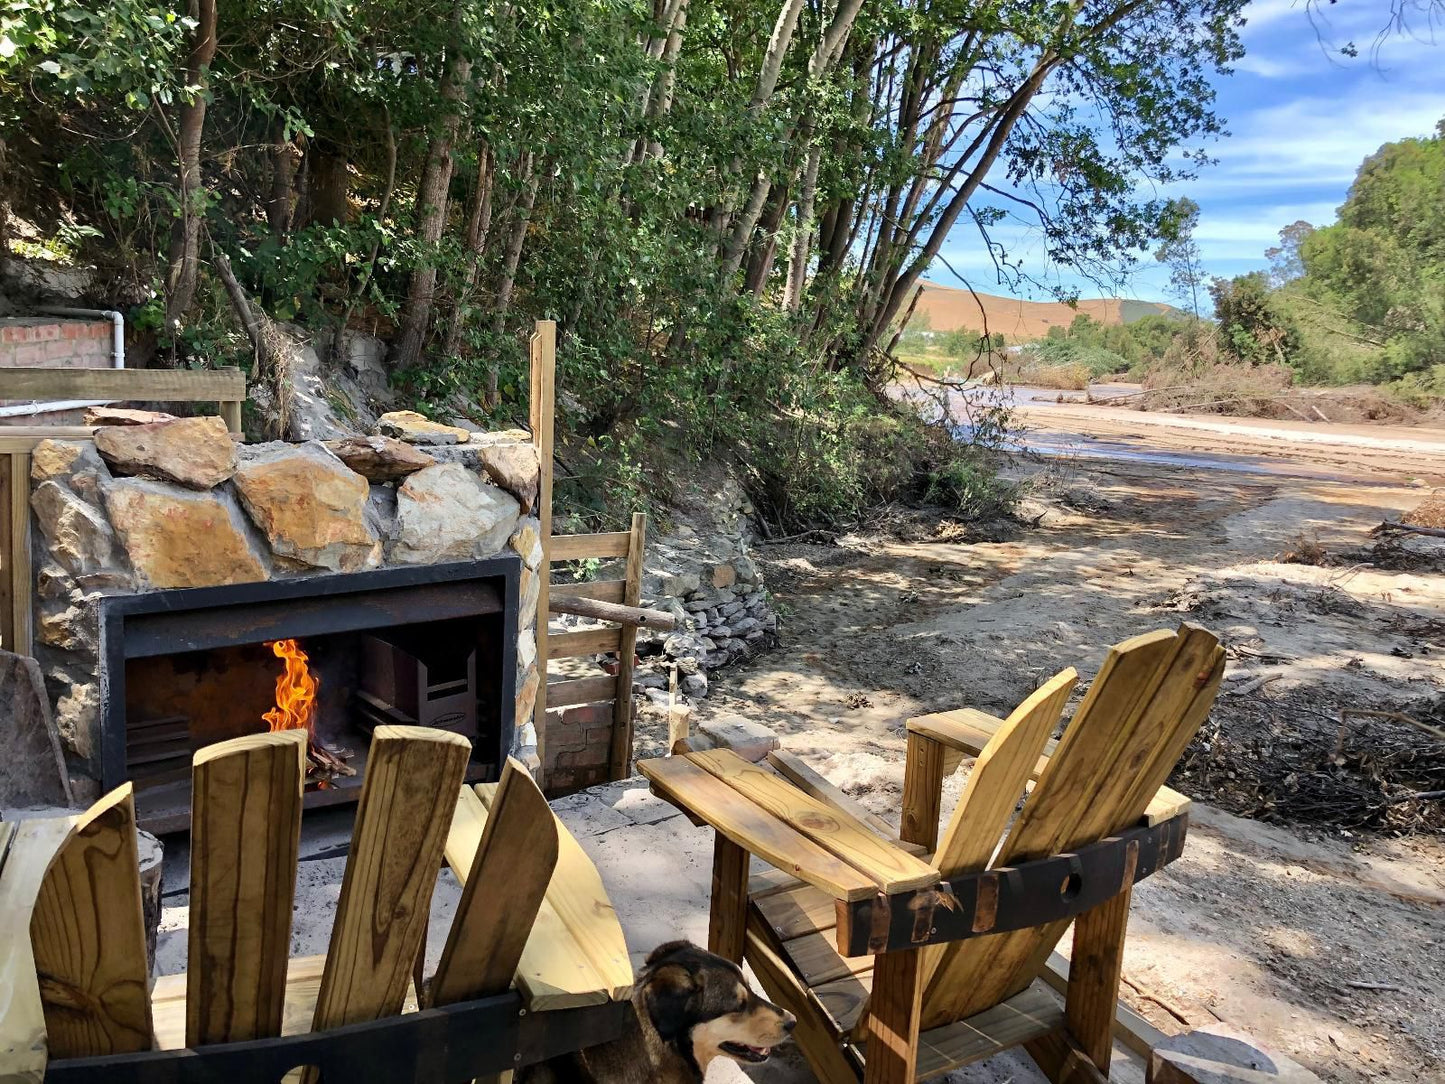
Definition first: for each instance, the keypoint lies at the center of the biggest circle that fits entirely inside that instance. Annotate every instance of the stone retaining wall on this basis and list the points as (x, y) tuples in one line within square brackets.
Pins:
[(177, 504)]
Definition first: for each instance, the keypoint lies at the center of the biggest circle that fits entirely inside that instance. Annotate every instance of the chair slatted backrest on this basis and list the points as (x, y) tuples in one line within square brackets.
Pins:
[(1151, 695), (86, 949)]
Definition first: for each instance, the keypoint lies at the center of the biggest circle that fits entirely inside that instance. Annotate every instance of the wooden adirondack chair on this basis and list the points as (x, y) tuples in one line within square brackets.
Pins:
[(905, 960), (78, 1004)]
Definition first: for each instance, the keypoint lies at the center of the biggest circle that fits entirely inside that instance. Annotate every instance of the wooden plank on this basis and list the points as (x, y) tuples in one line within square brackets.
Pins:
[(812, 1034), (26, 851), (245, 833), (568, 645), (1131, 1029), (163, 385), (891, 869), (1062, 1060), (1147, 693), (728, 912), (893, 1018), (810, 782), (794, 912), (23, 438), (513, 863), (816, 958), (1023, 1017), (601, 590), (15, 560), (580, 547), (922, 791), (587, 690), (89, 939), (1097, 962), (552, 972), (407, 799), (7, 587), (542, 418), (689, 787), (231, 413), (620, 758)]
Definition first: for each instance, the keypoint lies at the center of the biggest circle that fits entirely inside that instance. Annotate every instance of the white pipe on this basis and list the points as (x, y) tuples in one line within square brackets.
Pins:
[(117, 360)]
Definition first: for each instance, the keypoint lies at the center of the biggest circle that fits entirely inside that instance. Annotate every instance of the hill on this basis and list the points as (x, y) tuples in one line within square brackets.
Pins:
[(945, 308)]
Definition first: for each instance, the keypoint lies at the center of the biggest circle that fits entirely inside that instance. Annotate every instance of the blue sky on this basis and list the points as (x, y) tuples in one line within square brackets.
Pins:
[(1302, 118)]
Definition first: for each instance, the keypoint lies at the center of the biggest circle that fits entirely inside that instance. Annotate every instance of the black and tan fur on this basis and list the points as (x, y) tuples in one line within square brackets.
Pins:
[(692, 1008)]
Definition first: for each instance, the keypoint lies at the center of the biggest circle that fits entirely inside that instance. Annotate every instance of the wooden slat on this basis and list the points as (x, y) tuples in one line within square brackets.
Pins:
[(587, 690), (600, 590), (812, 1034), (758, 832), (1025, 1016), (794, 912), (579, 547), (803, 777), (163, 385), (891, 869), (502, 889), (23, 438), (18, 620), (1151, 692), (26, 851), (407, 799), (567, 645), (816, 958), (577, 954), (542, 418), (620, 758), (88, 935), (245, 834)]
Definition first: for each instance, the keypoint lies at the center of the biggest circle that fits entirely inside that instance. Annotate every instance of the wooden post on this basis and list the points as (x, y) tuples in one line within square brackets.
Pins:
[(923, 773), (231, 413), (1094, 970), (16, 615), (728, 920), (893, 1016), (620, 766), (543, 411)]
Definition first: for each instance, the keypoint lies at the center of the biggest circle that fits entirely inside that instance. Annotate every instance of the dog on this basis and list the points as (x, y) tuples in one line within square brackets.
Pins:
[(692, 1007)]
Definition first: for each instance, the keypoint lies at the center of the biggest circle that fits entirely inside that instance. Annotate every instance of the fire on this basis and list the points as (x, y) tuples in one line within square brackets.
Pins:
[(295, 690)]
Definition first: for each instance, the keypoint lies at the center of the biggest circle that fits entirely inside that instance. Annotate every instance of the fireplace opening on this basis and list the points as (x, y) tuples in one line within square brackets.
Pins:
[(336, 656)]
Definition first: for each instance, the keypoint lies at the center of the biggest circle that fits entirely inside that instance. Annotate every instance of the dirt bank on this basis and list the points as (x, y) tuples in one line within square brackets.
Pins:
[(1270, 927)]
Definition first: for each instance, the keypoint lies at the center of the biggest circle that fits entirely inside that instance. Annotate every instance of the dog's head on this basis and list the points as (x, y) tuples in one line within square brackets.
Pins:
[(702, 1007)]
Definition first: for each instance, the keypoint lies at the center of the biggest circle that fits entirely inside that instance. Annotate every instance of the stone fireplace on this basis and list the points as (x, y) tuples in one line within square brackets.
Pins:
[(189, 589)]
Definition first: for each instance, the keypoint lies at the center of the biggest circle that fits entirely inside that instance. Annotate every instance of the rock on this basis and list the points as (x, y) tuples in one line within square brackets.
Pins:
[(527, 541), (756, 634), (698, 607), (514, 467), (688, 664), (310, 505), (527, 696), (51, 459), (680, 584), (530, 592), (52, 582), (113, 415), (731, 608), (694, 684), (78, 536), (70, 628), (724, 596), (660, 697), (77, 718), (414, 428), (176, 538), (526, 648), (381, 512), (378, 458), (750, 740), (724, 575), (649, 679), (194, 452), (447, 513), (720, 632), (746, 570), (32, 771), (746, 625)]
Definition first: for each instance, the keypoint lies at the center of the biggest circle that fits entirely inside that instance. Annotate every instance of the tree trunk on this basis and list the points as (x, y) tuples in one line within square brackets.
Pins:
[(431, 206), (183, 257), (281, 201), (328, 184), (515, 241), (803, 237), (479, 225), (760, 267)]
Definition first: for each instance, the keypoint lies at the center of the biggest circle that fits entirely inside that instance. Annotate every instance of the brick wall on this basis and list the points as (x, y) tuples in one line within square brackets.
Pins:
[(44, 341), (579, 743)]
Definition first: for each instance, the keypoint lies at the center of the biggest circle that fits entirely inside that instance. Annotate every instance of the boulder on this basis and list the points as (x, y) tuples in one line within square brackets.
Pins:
[(112, 415), (32, 772), (514, 467), (57, 460), (447, 513), (527, 541), (194, 452), (177, 538), (414, 428), (310, 505), (527, 685), (77, 535), (378, 458)]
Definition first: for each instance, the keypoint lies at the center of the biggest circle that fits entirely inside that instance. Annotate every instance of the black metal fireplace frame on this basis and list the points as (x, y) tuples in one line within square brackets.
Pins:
[(342, 602)]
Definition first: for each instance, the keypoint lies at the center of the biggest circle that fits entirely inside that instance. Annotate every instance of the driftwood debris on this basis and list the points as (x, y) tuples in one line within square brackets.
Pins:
[(632, 616)]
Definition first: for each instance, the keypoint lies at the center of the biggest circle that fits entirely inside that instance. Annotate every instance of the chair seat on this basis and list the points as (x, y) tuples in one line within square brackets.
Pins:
[(797, 920)]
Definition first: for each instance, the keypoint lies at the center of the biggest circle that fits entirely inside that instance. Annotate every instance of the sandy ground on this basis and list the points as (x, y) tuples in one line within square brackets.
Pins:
[(1262, 926)]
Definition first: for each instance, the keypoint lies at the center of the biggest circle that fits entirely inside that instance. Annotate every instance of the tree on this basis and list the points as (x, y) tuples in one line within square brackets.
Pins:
[(1285, 262), (1181, 253)]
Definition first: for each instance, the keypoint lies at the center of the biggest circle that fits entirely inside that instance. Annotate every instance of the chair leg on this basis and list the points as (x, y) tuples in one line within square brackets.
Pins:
[(1062, 1060), (894, 1010), (728, 921), (1094, 970)]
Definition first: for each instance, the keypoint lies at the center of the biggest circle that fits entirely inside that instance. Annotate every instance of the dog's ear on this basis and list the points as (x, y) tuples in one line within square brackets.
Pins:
[(672, 980), (665, 950)]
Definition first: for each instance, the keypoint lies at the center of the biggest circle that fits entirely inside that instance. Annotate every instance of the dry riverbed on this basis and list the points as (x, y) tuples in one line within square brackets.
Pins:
[(1317, 921)]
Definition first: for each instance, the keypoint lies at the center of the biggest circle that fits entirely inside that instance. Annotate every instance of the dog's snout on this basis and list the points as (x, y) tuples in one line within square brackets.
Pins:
[(789, 1022)]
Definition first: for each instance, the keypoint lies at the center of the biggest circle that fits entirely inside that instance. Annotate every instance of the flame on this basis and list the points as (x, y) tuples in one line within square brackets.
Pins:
[(295, 690)]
